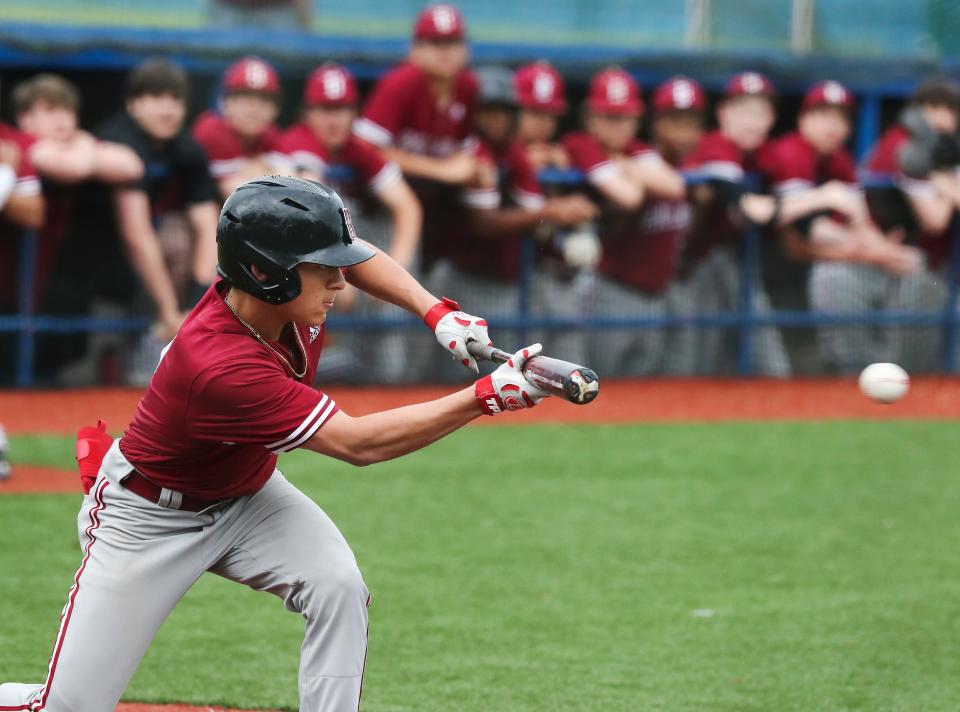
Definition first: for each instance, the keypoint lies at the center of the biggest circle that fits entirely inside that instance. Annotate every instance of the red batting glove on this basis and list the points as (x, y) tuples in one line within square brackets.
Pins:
[(454, 329), (507, 388), (92, 446)]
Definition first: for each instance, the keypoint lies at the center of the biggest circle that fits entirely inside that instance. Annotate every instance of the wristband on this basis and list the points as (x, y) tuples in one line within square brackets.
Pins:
[(487, 399), (438, 311), (8, 179)]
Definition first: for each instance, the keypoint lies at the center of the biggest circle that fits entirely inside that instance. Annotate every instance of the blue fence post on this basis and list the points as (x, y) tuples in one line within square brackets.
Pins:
[(749, 277), (25, 307), (951, 316), (868, 125), (528, 256)]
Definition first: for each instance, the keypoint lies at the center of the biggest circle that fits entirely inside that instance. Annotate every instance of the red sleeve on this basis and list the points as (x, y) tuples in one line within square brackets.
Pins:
[(716, 157), (253, 402), (586, 154), (298, 150), (385, 112), (842, 167), (375, 170), (524, 185), (789, 165), (27, 181), (222, 148)]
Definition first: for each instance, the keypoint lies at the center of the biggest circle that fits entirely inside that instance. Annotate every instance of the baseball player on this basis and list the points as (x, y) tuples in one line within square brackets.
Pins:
[(856, 268), (711, 280), (192, 485), (540, 94), (239, 137), (501, 208), (420, 115), (645, 217)]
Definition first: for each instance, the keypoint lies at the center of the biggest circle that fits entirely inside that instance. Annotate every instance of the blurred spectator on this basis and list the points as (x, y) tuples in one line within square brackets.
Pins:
[(504, 204), (542, 103), (240, 137), (711, 282), (678, 118), (21, 208), (324, 137), (420, 114), (64, 156), (641, 231), (177, 179), (261, 14), (914, 152)]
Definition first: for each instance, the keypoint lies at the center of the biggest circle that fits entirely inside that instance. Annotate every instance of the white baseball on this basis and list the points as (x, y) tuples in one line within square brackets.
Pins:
[(884, 382)]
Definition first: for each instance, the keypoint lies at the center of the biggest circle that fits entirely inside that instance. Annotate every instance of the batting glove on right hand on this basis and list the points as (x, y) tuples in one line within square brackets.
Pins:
[(507, 388)]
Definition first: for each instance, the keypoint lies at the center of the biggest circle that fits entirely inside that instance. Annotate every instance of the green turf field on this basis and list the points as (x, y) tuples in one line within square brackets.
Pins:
[(734, 567)]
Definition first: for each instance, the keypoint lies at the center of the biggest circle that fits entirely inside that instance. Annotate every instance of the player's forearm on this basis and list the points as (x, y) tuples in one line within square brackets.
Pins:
[(143, 249), (116, 163), (64, 161), (383, 278), (27, 211), (407, 224), (504, 223), (418, 165), (203, 220), (389, 434)]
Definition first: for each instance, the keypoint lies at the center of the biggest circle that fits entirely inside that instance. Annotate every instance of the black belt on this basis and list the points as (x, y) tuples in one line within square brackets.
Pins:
[(138, 484)]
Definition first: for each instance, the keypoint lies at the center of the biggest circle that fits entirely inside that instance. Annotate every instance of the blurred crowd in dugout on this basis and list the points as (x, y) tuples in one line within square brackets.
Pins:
[(442, 164)]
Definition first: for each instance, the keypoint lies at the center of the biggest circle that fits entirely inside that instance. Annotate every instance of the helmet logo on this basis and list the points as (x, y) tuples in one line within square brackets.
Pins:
[(683, 94), (617, 90), (543, 87), (834, 93), (256, 75), (334, 85), (444, 19), (349, 233)]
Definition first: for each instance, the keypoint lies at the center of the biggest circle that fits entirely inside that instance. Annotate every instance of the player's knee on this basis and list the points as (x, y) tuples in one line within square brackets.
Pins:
[(338, 585)]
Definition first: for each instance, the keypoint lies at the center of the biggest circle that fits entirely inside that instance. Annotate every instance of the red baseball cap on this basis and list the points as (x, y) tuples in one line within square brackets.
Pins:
[(613, 91), (439, 22), (829, 93), (679, 94), (540, 86), (331, 85), (750, 84), (251, 74)]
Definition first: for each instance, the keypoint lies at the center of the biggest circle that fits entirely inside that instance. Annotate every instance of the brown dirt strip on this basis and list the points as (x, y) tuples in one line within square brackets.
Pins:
[(661, 400), (28, 479)]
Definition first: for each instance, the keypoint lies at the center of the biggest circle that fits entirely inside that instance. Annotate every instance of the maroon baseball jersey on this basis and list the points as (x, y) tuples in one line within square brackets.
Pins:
[(225, 148), (517, 187), (298, 149), (402, 112), (884, 158), (222, 406), (718, 157), (641, 248), (791, 164), (27, 184)]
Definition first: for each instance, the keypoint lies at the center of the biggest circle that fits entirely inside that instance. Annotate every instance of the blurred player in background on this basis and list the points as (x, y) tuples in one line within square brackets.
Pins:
[(540, 94), (420, 115), (324, 138), (69, 161), (915, 152), (21, 208), (711, 283), (644, 218), (504, 205), (677, 126), (239, 138)]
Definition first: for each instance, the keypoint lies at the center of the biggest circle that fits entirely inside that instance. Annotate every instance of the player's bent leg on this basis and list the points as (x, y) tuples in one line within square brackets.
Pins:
[(138, 561), (280, 541)]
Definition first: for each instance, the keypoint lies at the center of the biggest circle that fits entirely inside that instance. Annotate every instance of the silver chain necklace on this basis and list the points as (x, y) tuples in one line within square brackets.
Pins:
[(286, 361)]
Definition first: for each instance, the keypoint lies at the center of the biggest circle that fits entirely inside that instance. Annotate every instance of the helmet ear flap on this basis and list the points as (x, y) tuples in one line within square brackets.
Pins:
[(279, 285)]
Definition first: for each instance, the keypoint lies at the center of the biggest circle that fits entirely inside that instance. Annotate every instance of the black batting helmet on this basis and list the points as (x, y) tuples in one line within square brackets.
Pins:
[(276, 223)]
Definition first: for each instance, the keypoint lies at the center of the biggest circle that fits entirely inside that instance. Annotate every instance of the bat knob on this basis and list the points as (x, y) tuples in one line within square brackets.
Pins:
[(581, 386)]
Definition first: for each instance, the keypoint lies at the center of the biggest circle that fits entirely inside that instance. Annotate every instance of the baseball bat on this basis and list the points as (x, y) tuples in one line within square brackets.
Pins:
[(577, 384)]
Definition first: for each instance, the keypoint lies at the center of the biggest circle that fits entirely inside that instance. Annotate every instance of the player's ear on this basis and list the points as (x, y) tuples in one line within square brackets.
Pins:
[(258, 273)]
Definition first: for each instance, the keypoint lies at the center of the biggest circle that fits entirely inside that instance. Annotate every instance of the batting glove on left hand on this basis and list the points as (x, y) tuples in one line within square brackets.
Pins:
[(507, 388), (455, 329)]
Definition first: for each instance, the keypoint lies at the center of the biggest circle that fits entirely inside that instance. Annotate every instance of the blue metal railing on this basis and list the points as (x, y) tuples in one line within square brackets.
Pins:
[(27, 324)]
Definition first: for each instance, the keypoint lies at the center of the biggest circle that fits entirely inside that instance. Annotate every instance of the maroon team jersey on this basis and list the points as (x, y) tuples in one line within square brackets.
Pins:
[(884, 159), (517, 187), (402, 112), (792, 164), (298, 149), (641, 248), (221, 406), (718, 157), (225, 148), (27, 184)]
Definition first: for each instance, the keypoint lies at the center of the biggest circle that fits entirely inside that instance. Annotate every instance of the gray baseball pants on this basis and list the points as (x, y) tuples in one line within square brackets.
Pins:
[(139, 559)]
